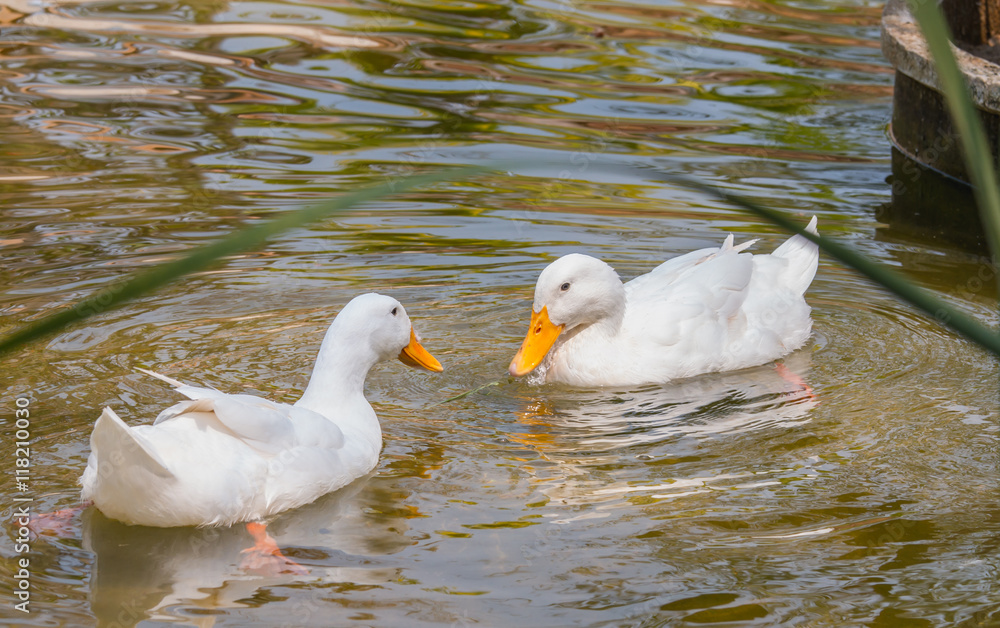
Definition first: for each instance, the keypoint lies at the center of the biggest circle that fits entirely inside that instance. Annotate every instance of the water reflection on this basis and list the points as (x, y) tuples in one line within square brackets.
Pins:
[(141, 573), (718, 404), (320, 37), (134, 131), (583, 430)]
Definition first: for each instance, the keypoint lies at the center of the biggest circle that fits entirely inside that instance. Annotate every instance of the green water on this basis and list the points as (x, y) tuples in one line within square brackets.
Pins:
[(130, 132)]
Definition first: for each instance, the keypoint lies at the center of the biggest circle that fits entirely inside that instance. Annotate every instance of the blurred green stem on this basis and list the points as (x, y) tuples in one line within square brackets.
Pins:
[(245, 239), (253, 236)]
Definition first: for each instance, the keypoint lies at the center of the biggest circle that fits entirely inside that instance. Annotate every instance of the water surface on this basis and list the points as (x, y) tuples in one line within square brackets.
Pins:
[(133, 132)]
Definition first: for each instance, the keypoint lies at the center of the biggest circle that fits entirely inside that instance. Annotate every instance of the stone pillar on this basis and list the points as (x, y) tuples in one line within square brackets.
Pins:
[(931, 195)]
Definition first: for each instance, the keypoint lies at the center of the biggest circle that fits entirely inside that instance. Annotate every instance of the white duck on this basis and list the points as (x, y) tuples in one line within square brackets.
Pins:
[(225, 458), (714, 309)]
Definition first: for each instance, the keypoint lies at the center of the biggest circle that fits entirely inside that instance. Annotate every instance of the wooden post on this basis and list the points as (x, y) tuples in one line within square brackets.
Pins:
[(973, 22)]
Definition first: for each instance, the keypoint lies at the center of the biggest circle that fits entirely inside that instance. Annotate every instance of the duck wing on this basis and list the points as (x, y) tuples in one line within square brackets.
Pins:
[(264, 425), (713, 284), (701, 289)]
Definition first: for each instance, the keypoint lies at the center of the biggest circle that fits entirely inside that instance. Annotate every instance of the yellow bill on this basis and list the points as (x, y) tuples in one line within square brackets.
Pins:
[(541, 336), (414, 354)]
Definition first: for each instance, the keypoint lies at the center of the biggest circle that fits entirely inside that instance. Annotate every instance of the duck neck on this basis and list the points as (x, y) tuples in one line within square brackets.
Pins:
[(611, 312), (336, 388), (611, 324), (601, 329)]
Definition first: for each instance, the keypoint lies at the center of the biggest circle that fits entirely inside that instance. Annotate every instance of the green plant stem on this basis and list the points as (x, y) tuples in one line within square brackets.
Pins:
[(251, 237), (244, 239), (466, 393)]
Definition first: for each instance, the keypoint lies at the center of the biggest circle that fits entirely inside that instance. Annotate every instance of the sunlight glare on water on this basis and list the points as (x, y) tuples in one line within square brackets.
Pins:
[(133, 132)]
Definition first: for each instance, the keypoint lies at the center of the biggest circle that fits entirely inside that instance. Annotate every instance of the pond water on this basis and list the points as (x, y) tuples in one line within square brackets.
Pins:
[(134, 131)]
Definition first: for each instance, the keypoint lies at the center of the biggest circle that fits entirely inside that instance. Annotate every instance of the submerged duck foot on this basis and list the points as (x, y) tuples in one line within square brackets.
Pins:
[(59, 523), (795, 379), (265, 556)]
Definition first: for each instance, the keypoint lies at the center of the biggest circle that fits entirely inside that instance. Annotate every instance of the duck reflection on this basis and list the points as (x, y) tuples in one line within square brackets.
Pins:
[(140, 573), (601, 442), (708, 405)]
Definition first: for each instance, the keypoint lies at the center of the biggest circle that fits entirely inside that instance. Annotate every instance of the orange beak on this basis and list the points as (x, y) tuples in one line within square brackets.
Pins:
[(414, 354), (541, 336)]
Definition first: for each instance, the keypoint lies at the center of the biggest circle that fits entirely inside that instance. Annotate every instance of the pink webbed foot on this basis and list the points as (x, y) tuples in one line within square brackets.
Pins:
[(265, 556), (796, 380), (59, 523)]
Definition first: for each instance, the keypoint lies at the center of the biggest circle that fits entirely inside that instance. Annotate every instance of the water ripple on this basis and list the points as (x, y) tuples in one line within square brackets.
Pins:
[(134, 132)]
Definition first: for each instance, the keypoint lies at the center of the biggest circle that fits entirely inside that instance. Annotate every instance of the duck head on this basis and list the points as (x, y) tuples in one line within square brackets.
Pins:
[(572, 292), (388, 329)]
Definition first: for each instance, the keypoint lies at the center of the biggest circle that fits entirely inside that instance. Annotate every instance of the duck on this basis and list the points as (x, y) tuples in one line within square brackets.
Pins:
[(217, 459), (709, 310)]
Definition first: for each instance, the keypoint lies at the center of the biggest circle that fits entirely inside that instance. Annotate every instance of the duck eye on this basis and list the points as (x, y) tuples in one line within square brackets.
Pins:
[(394, 310), (564, 287)]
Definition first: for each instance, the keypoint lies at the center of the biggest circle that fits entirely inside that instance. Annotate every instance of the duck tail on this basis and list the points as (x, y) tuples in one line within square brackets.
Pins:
[(803, 258), (120, 459), (173, 382)]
